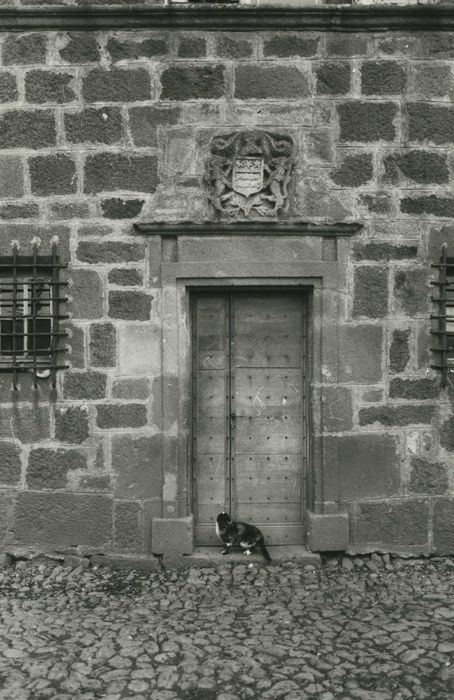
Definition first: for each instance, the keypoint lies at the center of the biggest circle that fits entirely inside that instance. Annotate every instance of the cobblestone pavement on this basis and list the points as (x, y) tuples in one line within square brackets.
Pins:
[(382, 631)]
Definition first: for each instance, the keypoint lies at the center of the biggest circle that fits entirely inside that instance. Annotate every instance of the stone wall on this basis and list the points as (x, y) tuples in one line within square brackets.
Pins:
[(98, 130)]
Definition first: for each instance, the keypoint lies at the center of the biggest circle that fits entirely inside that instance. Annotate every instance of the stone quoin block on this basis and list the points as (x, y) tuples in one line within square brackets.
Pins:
[(144, 123), (371, 292), (384, 251), (107, 172), (130, 305), (327, 532), (360, 466), (71, 424), (24, 49), (430, 123), (396, 415), (87, 294), (116, 85), (411, 292), (360, 354), (192, 47), (131, 388), (270, 81), (399, 351), (53, 174), (333, 78), (103, 345), (288, 45), (354, 170), (417, 166), (418, 389), (193, 82), (128, 415), (82, 47), (120, 50), (128, 531), (117, 208), (11, 177), (102, 125), (382, 78), (137, 463), (336, 409), (367, 121), (27, 129), (47, 468), (125, 277), (49, 86), (84, 386), (392, 524), (109, 252), (233, 47), (56, 519), (172, 536), (25, 423), (8, 87), (443, 526), (10, 463), (428, 477), (139, 349)]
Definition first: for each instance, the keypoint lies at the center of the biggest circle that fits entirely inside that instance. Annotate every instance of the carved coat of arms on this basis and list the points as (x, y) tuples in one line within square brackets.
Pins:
[(248, 174)]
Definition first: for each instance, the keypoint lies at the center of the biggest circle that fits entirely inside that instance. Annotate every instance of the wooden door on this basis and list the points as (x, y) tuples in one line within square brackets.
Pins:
[(249, 412)]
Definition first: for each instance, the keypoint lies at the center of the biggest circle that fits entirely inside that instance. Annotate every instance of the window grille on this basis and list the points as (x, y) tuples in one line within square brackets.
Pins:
[(30, 301), (444, 332)]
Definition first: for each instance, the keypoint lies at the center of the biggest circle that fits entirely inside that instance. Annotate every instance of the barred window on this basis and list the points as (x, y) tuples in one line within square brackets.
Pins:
[(30, 301), (444, 316)]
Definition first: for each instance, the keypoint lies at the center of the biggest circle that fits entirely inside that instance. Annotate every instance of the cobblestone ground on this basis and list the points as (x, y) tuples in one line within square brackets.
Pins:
[(382, 631)]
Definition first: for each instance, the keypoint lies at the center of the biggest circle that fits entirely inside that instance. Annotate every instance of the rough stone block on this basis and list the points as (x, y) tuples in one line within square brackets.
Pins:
[(49, 86), (109, 252), (5, 513), (76, 344), (192, 47), (360, 466), (144, 123), (120, 50), (233, 47), (128, 527), (193, 82), (270, 81), (11, 177), (443, 526), (87, 294), (94, 126), (427, 477), (27, 129), (392, 524), (360, 354), (432, 80), (69, 210), (416, 166), (346, 45), (125, 277), (116, 85), (287, 45), (371, 292), (24, 234), (429, 204), (393, 416), (379, 203), (24, 210), (84, 386), (327, 532), (418, 389), (8, 87), (82, 47), (411, 292), (56, 519), (399, 352), (336, 409), (103, 345), (53, 174), (382, 78), (172, 536), (137, 463), (24, 49), (71, 424), (367, 121), (25, 423), (10, 464), (354, 170), (447, 434), (139, 349), (130, 305), (333, 78), (106, 172), (128, 415), (430, 123), (131, 388), (117, 208), (319, 146), (47, 468), (384, 251)]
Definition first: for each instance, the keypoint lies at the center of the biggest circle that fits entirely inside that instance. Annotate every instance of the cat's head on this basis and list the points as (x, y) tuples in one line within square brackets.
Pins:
[(223, 520)]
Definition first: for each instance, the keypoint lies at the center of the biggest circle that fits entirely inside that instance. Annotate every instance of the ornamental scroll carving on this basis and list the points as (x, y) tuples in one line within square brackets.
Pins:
[(248, 174)]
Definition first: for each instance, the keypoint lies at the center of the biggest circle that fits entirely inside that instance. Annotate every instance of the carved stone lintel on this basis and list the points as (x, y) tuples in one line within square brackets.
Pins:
[(248, 174)]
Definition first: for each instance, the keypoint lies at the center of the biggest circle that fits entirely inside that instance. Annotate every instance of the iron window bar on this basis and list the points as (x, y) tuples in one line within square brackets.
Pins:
[(444, 316), (31, 295)]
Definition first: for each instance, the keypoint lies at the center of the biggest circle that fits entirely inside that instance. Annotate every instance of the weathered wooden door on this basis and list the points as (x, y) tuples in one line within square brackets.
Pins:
[(249, 419)]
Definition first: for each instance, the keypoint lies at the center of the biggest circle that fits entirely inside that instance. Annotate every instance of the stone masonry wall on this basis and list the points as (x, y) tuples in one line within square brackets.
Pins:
[(98, 130)]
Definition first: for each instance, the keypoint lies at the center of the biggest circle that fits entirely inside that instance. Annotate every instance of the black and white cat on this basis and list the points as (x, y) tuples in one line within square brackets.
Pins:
[(237, 534)]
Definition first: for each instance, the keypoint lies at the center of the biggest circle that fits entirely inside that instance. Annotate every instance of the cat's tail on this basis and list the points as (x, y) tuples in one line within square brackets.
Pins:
[(264, 550)]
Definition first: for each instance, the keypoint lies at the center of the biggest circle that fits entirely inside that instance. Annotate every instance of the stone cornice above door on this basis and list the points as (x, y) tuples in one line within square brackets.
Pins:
[(247, 228)]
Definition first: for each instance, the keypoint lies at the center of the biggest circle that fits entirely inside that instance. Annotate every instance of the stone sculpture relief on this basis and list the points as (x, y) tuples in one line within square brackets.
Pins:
[(248, 174)]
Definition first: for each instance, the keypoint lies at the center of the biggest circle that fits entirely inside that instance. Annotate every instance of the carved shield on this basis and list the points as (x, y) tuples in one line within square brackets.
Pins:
[(247, 175)]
